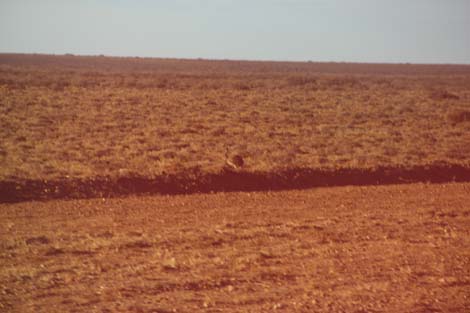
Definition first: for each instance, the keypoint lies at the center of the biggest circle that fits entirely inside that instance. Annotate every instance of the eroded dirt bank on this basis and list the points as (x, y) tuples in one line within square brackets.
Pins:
[(195, 181), (397, 248)]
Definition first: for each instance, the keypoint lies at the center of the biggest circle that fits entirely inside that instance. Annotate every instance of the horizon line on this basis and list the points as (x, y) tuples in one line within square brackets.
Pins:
[(216, 59)]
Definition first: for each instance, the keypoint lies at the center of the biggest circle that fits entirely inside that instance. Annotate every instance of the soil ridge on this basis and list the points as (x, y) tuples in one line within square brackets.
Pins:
[(195, 181)]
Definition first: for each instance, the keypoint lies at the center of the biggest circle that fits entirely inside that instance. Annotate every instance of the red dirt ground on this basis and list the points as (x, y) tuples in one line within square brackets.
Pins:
[(398, 248)]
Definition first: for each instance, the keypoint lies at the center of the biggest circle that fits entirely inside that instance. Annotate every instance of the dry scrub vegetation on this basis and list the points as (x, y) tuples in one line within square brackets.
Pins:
[(81, 117), (78, 126)]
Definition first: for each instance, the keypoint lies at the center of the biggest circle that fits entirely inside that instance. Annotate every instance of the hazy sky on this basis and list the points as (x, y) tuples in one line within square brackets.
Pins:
[(418, 31)]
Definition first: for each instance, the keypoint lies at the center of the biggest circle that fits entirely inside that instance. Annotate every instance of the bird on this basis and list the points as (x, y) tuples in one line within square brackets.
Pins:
[(234, 161)]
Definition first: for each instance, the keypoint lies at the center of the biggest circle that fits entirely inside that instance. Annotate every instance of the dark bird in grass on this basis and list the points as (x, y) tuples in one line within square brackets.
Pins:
[(234, 161)]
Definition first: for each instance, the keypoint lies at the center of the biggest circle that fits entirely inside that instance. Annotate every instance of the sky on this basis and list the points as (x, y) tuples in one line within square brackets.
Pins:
[(391, 31)]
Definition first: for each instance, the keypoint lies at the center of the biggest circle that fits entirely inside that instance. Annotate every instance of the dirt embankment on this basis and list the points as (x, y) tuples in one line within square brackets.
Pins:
[(227, 180)]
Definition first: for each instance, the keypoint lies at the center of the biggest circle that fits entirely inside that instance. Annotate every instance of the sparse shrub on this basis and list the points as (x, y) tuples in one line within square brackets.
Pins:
[(459, 116), (219, 131), (169, 154), (340, 83), (139, 244), (300, 81), (241, 86), (443, 95), (162, 83), (60, 85)]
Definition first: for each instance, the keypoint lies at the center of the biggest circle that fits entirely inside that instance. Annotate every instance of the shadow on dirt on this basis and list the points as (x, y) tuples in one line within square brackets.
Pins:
[(199, 182)]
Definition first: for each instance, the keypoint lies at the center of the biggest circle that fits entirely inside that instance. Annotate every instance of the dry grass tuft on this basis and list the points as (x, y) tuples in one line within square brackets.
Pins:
[(443, 95), (459, 116)]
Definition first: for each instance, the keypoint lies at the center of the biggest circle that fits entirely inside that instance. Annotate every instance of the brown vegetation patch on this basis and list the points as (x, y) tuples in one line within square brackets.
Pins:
[(459, 116), (38, 240), (443, 95)]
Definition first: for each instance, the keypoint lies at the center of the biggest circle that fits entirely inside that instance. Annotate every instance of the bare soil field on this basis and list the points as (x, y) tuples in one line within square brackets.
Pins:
[(397, 248), (74, 127), (129, 152)]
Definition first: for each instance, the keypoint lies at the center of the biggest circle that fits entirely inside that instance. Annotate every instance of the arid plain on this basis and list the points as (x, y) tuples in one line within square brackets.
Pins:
[(118, 195)]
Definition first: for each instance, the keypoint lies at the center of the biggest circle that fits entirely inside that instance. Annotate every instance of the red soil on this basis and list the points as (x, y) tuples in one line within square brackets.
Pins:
[(397, 248)]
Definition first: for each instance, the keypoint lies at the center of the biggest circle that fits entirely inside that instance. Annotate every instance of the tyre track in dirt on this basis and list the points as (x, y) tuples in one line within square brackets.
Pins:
[(397, 248)]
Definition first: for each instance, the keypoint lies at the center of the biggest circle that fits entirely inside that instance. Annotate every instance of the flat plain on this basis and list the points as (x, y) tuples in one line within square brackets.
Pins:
[(399, 248), (116, 194), (71, 119)]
